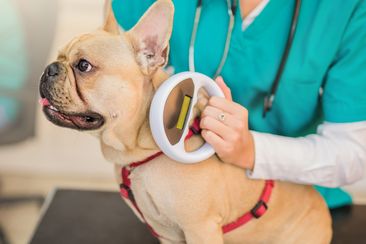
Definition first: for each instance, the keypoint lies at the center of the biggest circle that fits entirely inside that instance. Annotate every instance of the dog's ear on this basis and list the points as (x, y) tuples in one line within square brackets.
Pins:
[(110, 22), (150, 36)]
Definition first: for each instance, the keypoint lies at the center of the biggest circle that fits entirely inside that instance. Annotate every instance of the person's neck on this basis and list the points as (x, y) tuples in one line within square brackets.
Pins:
[(247, 6)]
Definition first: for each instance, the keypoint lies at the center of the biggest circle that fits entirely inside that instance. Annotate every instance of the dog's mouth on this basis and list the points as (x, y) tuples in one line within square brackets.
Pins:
[(79, 121)]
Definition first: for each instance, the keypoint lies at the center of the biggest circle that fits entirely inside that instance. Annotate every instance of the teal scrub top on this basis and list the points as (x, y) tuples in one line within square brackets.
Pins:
[(329, 52)]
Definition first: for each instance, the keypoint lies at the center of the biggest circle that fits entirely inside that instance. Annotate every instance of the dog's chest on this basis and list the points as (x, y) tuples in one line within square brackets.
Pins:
[(144, 193)]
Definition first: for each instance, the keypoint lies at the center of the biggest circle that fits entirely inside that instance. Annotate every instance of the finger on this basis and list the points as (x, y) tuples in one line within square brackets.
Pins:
[(225, 89), (217, 127), (214, 140), (215, 113), (225, 105)]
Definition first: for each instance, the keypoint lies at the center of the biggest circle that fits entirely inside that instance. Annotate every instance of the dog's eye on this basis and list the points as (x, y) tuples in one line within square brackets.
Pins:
[(84, 66)]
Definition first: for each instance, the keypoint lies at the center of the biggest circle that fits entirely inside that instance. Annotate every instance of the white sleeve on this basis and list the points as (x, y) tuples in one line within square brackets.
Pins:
[(335, 156)]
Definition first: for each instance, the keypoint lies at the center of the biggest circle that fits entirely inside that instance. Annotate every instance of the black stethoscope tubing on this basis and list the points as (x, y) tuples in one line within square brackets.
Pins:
[(269, 98)]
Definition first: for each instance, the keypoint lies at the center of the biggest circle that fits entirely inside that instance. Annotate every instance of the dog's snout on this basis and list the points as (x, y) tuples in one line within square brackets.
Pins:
[(53, 75), (52, 70)]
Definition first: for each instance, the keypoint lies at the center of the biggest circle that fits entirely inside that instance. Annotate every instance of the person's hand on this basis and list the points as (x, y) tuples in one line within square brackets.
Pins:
[(224, 126)]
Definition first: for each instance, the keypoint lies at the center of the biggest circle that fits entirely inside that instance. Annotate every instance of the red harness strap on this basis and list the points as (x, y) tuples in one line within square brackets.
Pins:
[(125, 187), (256, 212)]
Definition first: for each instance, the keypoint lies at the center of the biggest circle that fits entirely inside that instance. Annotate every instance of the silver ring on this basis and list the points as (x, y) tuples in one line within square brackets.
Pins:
[(221, 117)]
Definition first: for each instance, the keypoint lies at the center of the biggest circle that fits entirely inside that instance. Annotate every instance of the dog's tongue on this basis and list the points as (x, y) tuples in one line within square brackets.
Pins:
[(44, 102)]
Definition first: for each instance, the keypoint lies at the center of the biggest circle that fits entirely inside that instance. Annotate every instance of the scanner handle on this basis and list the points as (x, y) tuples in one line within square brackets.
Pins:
[(177, 152)]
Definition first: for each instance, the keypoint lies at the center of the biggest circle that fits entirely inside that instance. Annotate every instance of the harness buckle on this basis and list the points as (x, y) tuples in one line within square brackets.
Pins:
[(195, 128), (259, 209), (129, 192)]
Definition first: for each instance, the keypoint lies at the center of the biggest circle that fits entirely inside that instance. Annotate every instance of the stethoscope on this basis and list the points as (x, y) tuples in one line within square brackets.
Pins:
[(232, 7)]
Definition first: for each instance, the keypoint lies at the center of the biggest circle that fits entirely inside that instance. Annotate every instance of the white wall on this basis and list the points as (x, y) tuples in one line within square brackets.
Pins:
[(56, 150)]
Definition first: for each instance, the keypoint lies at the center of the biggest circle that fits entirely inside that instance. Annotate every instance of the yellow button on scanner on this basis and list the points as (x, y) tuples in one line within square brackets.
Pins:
[(183, 112)]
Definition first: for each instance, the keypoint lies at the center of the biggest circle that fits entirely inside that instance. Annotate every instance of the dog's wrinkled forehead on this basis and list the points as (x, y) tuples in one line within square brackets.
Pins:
[(73, 45), (98, 47)]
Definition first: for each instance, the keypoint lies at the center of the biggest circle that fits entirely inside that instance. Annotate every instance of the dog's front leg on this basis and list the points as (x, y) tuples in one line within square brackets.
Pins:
[(204, 233)]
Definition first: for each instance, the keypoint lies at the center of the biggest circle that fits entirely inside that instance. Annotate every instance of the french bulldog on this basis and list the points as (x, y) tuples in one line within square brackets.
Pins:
[(103, 82)]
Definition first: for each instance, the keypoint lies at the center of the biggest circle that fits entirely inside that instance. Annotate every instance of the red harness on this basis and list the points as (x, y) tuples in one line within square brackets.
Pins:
[(256, 212)]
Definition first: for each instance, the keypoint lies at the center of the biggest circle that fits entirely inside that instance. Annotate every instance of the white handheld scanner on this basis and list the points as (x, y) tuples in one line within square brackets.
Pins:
[(172, 109)]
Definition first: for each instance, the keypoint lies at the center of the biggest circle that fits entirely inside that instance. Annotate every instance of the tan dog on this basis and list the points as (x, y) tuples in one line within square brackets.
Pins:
[(104, 82)]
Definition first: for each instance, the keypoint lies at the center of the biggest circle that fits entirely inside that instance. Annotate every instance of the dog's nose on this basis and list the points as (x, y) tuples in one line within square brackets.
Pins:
[(52, 70)]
